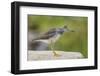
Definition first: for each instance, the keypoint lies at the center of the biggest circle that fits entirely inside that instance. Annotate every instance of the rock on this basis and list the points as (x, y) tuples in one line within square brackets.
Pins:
[(48, 55), (38, 46)]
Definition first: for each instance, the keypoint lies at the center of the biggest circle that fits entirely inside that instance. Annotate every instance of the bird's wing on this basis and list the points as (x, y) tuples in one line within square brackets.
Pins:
[(53, 30), (47, 35)]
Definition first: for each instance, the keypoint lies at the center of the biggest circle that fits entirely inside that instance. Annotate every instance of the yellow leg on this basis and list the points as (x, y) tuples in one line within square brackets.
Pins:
[(55, 54)]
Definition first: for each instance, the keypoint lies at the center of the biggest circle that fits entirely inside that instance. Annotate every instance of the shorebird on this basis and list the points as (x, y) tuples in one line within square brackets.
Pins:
[(51, 36)]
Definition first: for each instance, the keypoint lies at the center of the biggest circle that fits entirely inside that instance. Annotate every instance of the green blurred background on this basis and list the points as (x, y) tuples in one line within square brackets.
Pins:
[(70, 41)]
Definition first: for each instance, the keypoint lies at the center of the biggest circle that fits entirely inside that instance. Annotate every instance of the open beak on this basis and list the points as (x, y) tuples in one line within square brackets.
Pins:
[(72, 31), (68, 30)]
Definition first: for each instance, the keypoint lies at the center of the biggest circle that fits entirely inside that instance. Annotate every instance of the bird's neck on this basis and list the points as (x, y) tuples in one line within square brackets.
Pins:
[(54, 38)]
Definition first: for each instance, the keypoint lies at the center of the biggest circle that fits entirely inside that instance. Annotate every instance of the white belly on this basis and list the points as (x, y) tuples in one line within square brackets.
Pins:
[(54, 39), (45, 41)]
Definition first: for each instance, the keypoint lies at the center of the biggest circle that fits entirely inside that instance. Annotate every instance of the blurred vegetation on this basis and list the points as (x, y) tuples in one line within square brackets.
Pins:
[(70, 41)]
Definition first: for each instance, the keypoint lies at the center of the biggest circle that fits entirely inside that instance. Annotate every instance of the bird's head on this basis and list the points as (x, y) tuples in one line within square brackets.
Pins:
[(64, 29)]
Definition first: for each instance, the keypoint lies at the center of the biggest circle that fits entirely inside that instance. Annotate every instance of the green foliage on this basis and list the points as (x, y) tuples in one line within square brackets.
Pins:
[(70, 41)]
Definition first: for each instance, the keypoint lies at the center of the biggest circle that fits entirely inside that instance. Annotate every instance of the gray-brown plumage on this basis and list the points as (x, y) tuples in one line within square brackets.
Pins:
[(50, 37), (47, 35)]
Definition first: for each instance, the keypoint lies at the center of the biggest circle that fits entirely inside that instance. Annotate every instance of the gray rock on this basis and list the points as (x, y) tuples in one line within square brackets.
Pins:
[(48, 55), (38, 45)]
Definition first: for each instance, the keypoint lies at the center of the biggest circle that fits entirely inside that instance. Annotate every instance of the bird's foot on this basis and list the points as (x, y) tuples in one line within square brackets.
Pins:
[(56, 55)]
